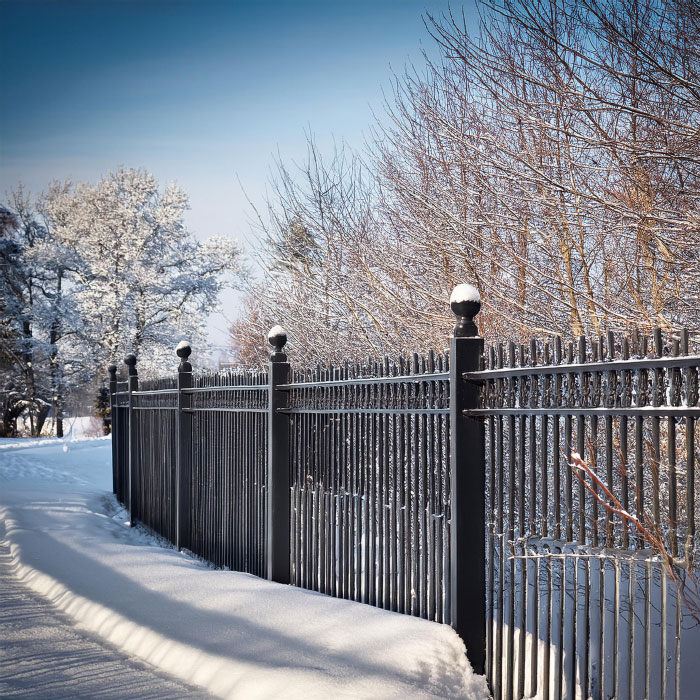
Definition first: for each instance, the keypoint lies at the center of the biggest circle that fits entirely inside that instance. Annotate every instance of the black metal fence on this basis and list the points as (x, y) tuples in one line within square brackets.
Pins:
[(442, 486), (579, 602), (370, 483)]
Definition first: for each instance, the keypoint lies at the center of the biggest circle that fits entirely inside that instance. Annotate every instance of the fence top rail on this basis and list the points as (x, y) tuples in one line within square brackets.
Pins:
[(649, 363), (662, 411), (359, 381), (241, 387), (154, 391), (378, 411)]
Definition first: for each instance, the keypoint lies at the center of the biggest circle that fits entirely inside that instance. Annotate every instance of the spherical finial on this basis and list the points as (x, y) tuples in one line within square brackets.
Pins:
[(112, 369), (130, 362), (465, 303), (183, 349), (277, 337)]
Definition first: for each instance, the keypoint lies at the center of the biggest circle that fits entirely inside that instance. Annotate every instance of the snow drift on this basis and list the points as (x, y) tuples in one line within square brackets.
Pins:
[(234, 634)]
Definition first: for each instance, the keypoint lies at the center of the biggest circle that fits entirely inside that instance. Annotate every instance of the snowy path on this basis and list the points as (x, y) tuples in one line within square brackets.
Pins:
[(42, 655), (233, 634)]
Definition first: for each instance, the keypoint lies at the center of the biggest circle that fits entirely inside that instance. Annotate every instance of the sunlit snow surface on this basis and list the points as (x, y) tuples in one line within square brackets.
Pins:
[(234, 634)]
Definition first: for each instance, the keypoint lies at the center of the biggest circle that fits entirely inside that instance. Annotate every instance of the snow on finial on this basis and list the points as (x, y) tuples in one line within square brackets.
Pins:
[(465, 303), (465, 292), (275, 332), (183, 349), (277, 337)]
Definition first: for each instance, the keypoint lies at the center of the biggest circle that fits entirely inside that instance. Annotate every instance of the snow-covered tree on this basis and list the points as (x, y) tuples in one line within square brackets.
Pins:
[(91, 273), (138, 277), (31, 307)]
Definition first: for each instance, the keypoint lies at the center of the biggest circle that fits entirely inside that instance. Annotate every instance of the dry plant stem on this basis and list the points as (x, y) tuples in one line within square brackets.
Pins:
[(681, 572)]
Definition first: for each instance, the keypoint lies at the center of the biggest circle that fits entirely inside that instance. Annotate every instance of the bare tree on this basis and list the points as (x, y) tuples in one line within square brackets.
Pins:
[(551, 158)]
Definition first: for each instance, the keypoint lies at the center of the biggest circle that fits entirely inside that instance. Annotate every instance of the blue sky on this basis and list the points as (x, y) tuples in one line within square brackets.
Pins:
[(203, 93)]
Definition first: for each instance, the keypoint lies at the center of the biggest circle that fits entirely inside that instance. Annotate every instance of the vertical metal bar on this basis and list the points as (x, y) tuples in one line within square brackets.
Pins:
[(533, 528), (491, 515), (557, 597), (183, 462), (321, 459), (544, 450), (415, 495), (294, 513), (392, 476), (467, 478), (512, 496), (322, 480), (403, 525), (639, 473), (316, 452), (499, 540), (532, 567), (431, 472), (556, 482), (133, 385), (421, 426), (671, 446), (631, 678), (647, 625), (236, 449), (677, 651), (583, 564), (379, 468), (350, 507), (657, 390), (386, 500), (692, 398), (581, 441), (277, 511), (568, 430), (112, 369), (663, 629), (395, 511), (347, 453), (355, 452), (369, 468), (624, 444), (447, 502), (541, 681), (519, 562)]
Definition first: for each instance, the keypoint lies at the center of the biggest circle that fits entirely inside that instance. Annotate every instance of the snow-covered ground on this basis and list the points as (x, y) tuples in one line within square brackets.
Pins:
[(233, 634)]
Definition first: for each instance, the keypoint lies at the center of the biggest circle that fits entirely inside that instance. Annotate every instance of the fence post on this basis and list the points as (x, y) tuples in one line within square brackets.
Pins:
[(133, 385), (277, 511), (112, 369), (184, 447), (468, 482)]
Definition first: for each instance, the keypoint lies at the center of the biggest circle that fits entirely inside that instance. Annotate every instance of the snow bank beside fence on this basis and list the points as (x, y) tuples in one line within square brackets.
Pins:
[(234, 634)]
